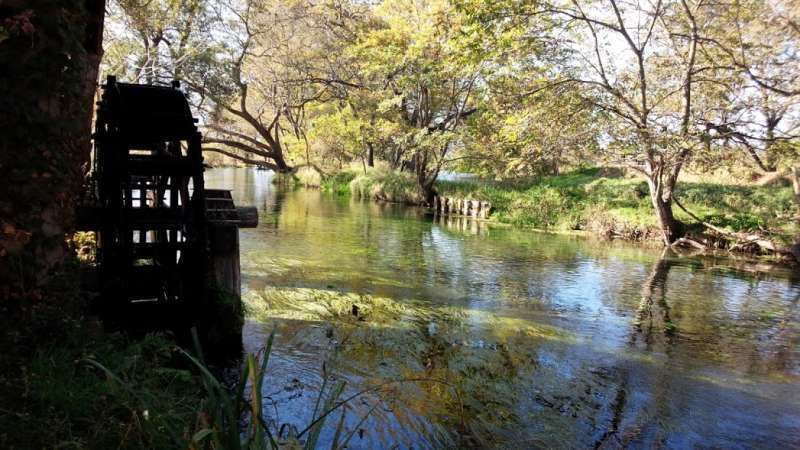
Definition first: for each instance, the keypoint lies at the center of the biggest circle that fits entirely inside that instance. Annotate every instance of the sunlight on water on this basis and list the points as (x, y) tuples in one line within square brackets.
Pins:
[(464, 334)]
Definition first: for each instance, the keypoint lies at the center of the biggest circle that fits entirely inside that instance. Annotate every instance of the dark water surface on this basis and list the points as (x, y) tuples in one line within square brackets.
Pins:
[(467, 335)]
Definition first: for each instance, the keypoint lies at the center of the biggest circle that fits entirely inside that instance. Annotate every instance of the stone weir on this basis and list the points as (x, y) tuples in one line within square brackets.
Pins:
[(455, 206)]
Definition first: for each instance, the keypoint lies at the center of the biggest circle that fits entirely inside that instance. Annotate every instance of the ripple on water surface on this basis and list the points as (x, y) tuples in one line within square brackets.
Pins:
[(468, 335)]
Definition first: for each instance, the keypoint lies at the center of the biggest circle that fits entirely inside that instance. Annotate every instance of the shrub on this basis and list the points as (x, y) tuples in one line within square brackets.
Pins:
[(386, 186), (338, 183), (308, 176)]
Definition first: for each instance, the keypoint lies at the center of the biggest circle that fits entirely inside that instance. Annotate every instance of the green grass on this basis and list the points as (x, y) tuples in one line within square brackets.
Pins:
[(338, 183), (65, 382), (588, 199), (60, 398), (599, 200), (54, 394)]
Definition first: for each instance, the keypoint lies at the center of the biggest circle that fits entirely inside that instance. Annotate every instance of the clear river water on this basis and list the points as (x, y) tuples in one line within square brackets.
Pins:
[(449, 333)]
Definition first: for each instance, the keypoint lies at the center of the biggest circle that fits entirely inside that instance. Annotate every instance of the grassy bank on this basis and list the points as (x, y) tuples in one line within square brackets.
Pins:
[(604, 201), (56, 392), (66, 382), (597, 200)]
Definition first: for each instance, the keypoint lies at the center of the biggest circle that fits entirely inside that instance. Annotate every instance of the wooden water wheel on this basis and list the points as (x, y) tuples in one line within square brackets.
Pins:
[(149, 210), (167, 248), (148, 201)]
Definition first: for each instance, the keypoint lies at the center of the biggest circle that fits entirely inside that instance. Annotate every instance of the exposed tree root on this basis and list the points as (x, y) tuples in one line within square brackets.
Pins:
[(689, 242), (743, 242)]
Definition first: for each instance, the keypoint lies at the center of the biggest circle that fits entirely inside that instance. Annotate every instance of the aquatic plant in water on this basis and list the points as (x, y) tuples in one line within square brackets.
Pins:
[(466, 364)]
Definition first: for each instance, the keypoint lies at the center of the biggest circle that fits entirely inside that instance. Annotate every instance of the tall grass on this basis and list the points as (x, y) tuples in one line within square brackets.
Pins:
[(338, 183), (232, 418), (308, 176), (57, 400), (383, 185)]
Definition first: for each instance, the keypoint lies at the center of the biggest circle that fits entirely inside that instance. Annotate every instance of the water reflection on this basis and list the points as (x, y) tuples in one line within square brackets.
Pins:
[(525, 339)]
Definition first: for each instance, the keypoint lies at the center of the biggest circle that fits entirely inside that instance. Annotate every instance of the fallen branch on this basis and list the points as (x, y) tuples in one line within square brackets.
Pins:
[(740, 239), (689, 242)]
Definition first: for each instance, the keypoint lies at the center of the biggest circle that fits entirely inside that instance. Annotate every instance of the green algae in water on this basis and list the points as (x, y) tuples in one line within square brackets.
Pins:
[(535, 335), (467, 362)]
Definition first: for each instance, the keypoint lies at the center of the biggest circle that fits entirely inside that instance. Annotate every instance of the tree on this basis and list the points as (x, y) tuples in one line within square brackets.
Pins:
[(521, 130), (49, 51), (154, 41), (250, 67), (424, 81), (655, 69), (761, 44)]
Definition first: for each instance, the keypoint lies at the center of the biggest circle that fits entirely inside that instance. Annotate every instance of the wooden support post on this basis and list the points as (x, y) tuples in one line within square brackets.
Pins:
[(222, 316)]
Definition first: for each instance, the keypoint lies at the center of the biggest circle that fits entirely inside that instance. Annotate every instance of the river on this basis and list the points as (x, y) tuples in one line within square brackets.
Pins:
[(451, 333)]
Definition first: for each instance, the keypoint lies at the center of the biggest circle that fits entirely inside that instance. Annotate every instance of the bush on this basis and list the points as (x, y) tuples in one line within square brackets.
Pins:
[(308, 176), (387, 186), (338, 183)]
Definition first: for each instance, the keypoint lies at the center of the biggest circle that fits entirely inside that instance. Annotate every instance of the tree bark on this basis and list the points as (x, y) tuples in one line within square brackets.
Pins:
[(370, 155), (671, 228), (661, 198), (795, 176), (49, 77)]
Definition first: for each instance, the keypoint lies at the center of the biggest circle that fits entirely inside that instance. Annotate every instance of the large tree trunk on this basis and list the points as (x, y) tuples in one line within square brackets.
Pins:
[(671, 228), (370, 154), (280, 164), (47, 86), (661, 198)]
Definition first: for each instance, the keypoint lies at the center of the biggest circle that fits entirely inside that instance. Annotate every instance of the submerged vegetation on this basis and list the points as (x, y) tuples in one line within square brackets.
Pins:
[(452, 365)]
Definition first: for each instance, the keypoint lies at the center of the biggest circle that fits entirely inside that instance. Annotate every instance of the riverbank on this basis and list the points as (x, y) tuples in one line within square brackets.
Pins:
[(601, 201), (66, 382)]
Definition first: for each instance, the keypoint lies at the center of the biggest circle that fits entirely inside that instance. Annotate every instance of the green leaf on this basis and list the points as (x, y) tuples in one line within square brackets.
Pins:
[(202, 434)]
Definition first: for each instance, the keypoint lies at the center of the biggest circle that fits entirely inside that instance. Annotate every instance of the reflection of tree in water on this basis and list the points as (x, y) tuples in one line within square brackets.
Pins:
[(273, 204), (653, 324), (787, 339), (653, 331), (618, 373)]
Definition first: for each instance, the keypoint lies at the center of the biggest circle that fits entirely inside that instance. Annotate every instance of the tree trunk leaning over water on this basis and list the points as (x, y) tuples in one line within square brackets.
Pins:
[(50, 52)]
